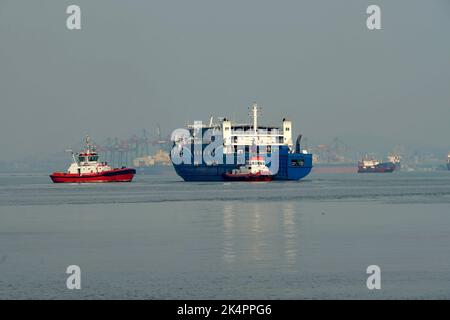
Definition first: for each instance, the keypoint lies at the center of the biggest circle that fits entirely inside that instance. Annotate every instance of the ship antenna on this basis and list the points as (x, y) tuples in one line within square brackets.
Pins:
[(73, 155)]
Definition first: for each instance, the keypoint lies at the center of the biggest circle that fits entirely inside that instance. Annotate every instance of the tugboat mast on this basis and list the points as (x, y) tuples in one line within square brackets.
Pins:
[(90, 147)]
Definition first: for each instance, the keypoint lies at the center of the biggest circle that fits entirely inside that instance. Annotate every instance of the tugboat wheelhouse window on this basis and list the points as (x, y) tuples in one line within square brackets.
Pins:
[(93, 158), (81, 158)]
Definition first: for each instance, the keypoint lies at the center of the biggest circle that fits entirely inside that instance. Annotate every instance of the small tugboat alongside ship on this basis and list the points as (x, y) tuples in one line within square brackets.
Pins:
[(87, 169), (368, 165), (254, 170)]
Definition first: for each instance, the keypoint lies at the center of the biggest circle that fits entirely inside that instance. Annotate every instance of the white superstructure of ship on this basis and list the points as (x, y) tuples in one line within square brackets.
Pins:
[(235, 135)]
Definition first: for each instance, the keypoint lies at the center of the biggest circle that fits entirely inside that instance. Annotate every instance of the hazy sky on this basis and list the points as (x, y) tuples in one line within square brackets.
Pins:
[(138, 63)]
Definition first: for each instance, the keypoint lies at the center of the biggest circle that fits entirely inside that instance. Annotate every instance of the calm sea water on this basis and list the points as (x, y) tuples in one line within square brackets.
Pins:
[(161, 238)]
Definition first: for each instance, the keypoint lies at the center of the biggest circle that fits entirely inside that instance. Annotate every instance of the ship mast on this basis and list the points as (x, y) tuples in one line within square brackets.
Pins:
[(255, 110)]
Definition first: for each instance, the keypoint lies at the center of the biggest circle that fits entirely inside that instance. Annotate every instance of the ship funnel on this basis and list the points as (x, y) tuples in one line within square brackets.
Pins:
[(297, 143)]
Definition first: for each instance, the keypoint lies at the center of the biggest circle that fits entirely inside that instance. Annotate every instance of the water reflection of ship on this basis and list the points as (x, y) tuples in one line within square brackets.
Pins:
[(290, 233), (260, 224), (229, 254)]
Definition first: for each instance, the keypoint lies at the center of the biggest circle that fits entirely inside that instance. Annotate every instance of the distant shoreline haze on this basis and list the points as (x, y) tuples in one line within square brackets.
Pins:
[(137, 64)]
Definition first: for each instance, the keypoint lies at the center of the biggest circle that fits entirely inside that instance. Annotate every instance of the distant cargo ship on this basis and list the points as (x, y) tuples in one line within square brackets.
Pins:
[(374, 166), (234, 144), (395, 159), (87, 169)]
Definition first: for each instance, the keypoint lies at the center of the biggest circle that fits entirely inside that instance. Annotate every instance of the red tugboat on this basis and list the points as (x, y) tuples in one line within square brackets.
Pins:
[(86, 169), (254, 170)]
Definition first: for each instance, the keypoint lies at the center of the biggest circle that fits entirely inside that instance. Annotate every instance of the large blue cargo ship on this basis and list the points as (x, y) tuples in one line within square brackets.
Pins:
[(207, 152)]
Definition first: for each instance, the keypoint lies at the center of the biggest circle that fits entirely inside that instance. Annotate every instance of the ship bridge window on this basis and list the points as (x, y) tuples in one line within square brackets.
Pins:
[(81, 159), (297, 162), (93, 158)]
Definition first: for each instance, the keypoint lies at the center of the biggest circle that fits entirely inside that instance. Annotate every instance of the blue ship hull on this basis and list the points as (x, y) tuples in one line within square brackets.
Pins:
[(292, 166)]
